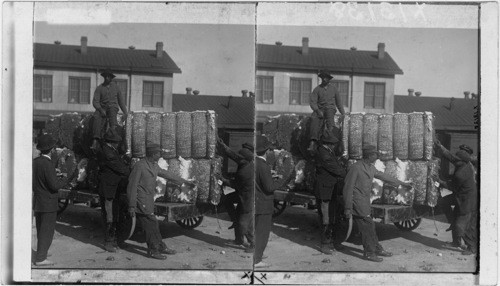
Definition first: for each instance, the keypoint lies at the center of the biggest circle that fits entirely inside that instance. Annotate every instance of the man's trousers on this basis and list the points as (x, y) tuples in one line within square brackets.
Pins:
[(263, 224), (45, 227), (149, 224)]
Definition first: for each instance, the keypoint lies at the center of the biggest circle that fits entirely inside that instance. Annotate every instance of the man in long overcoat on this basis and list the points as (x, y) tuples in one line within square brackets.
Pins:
[(113, 176)]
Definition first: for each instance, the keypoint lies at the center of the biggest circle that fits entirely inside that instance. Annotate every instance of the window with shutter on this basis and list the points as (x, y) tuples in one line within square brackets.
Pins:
[(264, 91), (152, 95), (343, 89), (374, 95), (42, 88), (79, 90), (300, 88)]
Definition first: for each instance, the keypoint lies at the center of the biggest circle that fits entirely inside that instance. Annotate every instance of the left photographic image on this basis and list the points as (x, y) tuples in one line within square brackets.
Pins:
[(138, 109)]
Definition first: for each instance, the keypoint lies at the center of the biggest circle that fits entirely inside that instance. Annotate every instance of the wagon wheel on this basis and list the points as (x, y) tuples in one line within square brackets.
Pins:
[(279, 207), (190, 223), (62, 205), (408, 225)]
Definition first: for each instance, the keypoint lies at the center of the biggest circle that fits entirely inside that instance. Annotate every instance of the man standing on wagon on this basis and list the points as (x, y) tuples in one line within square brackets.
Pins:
[(140, 194), (324, 101), (107, 98), (357, 188)]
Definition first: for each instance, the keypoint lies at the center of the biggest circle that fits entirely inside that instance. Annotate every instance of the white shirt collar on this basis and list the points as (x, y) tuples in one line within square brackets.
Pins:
[(47, 156), (262, 157)]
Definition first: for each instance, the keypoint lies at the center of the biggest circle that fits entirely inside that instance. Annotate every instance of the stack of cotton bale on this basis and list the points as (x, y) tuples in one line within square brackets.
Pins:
[(188, 141)]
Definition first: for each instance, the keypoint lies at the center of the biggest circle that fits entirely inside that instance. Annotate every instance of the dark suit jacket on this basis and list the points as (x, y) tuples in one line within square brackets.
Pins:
[(328, 172), (264, 187), (112, 170), (46, 185), (464, 186)]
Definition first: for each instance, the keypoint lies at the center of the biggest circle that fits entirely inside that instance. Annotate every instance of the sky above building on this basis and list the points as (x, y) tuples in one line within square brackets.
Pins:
[(214, 44)]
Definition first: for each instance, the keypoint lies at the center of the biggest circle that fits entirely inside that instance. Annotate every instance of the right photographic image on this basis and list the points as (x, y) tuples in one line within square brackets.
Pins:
[(367, 121)]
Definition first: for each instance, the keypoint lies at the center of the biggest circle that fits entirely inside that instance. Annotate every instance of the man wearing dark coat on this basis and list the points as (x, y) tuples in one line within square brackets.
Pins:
[(113, 175), (464, 187), (329, 172), (357, 188), (140, 194), (264, 200), (46, 187), (243, 183)]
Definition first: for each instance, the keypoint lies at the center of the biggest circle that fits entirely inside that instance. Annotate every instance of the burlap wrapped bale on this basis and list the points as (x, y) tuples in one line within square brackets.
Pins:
[(65, 161), (211, 133), (52, 126), (168, 133), (356, 136), (174, 167), (201, 174), (69, 123), (286, 125), (345, 135), (337, 121), (183, 134), (370, 129), (300, 138), (181, 194), (400, 136), (391, 195), (270, 129), (416, 136), (432, 190), (310, 175), (128, 133), (385, 137), (139, 134), (216, 173), (161, 183), (153, 128), (428, 135), (377, 185), (284, 166), (299, 174), (398, 195), (199, 134), (418, 175)]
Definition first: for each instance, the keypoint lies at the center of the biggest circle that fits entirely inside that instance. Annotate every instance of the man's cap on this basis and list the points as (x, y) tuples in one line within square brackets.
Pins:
[(107, 72), (112, 137), (263, 144), (463, 155), (246, 153), (466, 148), (248, 146), (45, 142), (325, 74), (369, 149), (152, 148)]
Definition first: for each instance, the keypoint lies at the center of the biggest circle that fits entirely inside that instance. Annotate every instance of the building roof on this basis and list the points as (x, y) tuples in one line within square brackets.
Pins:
[(118, 60), (232, 112), (335, 60), (460, 117)]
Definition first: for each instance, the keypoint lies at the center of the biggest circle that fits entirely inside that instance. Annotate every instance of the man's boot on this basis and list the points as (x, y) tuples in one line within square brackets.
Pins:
[(109, 239), (331, 234), (325, 240)]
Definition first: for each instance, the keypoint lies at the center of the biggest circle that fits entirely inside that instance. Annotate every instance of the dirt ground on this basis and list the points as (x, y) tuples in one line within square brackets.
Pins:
[(293, 246)]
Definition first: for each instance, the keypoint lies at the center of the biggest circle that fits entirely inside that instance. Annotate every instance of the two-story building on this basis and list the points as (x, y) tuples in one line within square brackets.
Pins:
[(65, 77), (286, 75)]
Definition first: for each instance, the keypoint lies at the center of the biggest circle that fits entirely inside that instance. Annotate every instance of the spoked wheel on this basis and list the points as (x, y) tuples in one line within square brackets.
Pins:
[(63, 204), (279, 207), (190, 223), (408, 225)]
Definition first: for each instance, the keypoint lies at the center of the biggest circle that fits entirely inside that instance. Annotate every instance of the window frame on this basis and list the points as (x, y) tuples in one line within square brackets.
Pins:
[(374, 96), (162, 95), (303, 94), (42, 77), (347, 82), (123, 91), (80, 79), (264, 77)]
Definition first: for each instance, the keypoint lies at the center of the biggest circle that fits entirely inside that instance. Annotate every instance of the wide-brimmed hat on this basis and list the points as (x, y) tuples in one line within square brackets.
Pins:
[(329, 138), (370, 149), (463, 155), (112, 137), (246, 153), (45, 142), (107, 72), (466, 148), (263, 144), (325, 75), (248, 146), (152, 148)]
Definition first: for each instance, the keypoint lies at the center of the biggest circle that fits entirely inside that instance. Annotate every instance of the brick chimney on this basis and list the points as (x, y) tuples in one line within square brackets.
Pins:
[(466, 94), (188, 90), (83, 47), (131, 47), (279, 43), (251, 94), (57, 42), (473, 96), (381, 51), (244, 93), (354, 48), (418, 93), (452, 103), (410, 91), (305, 46), (196, 92), (159, 49)]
